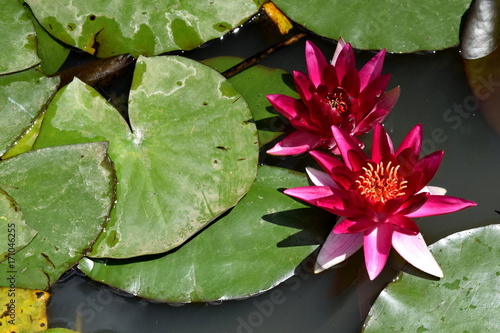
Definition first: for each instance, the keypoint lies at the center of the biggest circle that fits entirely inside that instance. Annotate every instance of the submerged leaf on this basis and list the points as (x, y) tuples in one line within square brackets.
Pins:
[(465, 300), (65, 193), (190, 155), (259, 244)]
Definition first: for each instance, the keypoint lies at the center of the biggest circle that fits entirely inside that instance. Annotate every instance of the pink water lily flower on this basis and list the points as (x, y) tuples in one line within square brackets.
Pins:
[(333, 94), (376, 199)]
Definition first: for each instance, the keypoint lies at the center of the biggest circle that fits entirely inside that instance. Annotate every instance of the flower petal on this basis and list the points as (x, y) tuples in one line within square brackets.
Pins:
[(353, 225), (372, 69), (346, 143), (326, 161), (382, 144), (303, 85), (377, 245), (345, 61), (287, 106), (336, 249), (441, 204), (428, 165), (309, 194), (340, 45), (404, 224), (412, 140), (295, 143), (320, 178), (316, 62), (414, 250), (434, 190)]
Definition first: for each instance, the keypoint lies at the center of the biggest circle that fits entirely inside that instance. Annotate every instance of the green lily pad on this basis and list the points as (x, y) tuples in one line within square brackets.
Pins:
[(18, 112), (191, 154), (254, 84), (398, 26), (17, 233), (256, 246), (140, 27), (52, 53), (465, 300), (18, 39), (66, 194)]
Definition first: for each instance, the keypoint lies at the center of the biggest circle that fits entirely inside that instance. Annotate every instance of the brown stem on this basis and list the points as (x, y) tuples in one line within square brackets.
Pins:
[(261, 55)]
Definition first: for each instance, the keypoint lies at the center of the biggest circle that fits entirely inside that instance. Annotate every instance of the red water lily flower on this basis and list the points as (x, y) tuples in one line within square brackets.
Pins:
[(376, 199), (333, 94)]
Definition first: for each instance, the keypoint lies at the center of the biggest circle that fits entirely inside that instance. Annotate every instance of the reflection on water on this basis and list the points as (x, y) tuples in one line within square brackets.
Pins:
[(434, 92)]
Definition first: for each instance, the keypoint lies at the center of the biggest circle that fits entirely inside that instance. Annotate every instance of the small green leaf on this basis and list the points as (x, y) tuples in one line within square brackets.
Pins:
[(190, 155), (17, 112), (254, 84), (17, 233), (140, 27), (398, 26), (17, 39), (65, 193), (466, 299), (257, 245)]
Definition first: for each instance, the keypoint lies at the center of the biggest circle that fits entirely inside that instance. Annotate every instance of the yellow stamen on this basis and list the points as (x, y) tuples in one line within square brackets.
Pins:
[(382, 183)]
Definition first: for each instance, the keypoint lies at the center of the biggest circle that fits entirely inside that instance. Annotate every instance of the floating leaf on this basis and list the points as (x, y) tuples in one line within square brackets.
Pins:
[(398, 26), (140, 27), (465, 300), (257, 245), (65, 193), (18, 41), (51, 52), (254, 84), (18, 112), (24, 310), (481, 32), (191, 155), (27, 141), (17, 234)]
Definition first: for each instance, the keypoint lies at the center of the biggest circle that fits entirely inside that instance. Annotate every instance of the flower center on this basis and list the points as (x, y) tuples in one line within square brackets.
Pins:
[(339, 102), (382, 183)]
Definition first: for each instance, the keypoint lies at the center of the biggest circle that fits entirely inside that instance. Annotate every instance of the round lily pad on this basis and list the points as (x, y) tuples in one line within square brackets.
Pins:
[(259, 244), (465, 300), (189, 154), (254, 84), (140, 27), (398, 26), (65, 194), (18, 39)]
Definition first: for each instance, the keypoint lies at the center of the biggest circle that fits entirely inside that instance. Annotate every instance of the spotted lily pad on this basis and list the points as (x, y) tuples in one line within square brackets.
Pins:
[(259, 244), (65, 194), (465, 300), (189, 154), (17, 112), (398, 26), (140, 27), (18, 39), (254, 84)]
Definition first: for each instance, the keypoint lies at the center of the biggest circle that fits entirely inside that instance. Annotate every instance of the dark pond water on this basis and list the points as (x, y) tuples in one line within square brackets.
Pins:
[(434, 92)]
